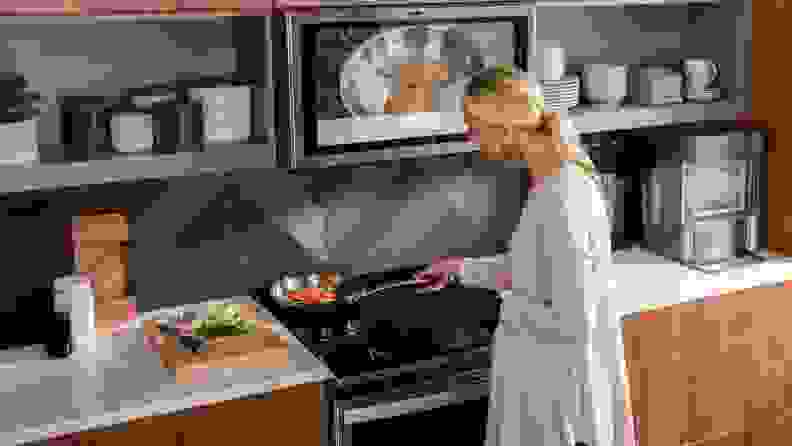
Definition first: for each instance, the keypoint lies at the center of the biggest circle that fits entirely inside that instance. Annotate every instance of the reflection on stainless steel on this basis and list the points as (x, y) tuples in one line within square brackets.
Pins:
[(401, 152), (368, 75)]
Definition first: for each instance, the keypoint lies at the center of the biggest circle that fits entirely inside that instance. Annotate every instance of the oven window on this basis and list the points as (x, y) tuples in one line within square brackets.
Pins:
[(369, 84)]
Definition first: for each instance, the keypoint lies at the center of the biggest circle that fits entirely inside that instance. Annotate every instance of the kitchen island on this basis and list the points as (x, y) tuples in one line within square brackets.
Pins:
[(683, 337), (43, 399), (704, 353)]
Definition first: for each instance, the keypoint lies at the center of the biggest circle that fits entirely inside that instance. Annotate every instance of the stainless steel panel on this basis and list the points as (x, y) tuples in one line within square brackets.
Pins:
[(382, 12), (355, 158), (465, 386), (718, 239), (715, 187)]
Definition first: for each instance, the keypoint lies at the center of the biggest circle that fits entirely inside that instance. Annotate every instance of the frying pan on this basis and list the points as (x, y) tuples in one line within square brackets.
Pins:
[(402, 316), (404, 311)]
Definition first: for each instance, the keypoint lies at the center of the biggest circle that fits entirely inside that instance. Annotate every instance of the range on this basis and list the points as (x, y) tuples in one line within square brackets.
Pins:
[(407, 354)]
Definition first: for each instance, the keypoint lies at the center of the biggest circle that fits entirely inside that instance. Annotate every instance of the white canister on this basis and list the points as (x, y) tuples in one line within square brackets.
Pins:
[(19, 142), (227, 112), (132, 132), (605, 84), (553, 62), (74, 295)]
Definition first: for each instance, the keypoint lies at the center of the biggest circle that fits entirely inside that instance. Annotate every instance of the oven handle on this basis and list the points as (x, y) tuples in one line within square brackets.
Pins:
[(407, 406)]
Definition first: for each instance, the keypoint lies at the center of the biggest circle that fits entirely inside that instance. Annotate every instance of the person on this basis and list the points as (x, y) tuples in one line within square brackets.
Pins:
[(556, 372)]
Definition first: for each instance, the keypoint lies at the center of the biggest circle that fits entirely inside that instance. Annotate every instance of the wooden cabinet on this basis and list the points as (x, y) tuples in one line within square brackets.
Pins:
[(770, 109), (164, 430), (287, 416), (712, 373), (109, 7)]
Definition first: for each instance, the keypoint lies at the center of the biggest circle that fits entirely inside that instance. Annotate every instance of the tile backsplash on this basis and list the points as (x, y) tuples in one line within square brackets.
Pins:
[(217, 235)]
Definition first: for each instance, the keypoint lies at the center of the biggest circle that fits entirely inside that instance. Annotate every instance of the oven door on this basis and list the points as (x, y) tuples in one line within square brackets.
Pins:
[(455, 405), (343, 65)]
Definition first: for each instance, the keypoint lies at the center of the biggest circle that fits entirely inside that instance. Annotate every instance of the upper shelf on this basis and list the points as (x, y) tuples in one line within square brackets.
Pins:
[(226, 157), (593, 120), (121, 9), (585, 119), (219, 158)]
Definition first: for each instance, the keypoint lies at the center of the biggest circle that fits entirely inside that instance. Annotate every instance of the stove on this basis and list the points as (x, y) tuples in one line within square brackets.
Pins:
[(372, 386)]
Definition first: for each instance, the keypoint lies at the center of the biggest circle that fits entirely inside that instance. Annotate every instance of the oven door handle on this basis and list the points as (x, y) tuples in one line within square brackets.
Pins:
[(410, 405)]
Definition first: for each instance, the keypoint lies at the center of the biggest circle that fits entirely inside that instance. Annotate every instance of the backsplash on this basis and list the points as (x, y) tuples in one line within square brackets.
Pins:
[(216, 235)]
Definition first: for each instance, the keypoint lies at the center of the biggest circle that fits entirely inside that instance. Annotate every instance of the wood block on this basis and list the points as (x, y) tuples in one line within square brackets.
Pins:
[(103, 227), (261, 349)]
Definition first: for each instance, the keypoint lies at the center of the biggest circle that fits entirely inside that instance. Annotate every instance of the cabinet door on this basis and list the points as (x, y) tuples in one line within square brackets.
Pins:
[(655, 379), (712, 372), (769, 108), (110, 7), (39, 7), (162, 430), (286, 416)]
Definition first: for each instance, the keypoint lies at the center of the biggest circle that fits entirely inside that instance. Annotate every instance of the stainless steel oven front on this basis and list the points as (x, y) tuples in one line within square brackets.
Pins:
[(457, 403), (342, 64)]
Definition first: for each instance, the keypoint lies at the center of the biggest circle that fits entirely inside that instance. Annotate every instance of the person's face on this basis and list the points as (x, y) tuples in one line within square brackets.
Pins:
[(503, 128)]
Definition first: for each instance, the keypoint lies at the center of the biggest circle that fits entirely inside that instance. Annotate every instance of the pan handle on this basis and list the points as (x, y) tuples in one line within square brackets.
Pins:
[(354, 298), (451, 279)]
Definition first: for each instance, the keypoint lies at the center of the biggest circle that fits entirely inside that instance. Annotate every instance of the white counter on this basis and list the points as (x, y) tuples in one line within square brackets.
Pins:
[(40, 398), (43, 397), (642, 281)]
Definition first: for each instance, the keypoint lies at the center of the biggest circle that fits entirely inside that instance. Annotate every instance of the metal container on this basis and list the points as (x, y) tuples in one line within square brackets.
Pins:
[(226, 109), (176, 119), (85, 127), (702, 201), (279, 289)]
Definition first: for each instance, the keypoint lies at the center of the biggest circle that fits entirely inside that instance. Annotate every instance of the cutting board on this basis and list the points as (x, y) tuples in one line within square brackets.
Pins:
[(260, 349)]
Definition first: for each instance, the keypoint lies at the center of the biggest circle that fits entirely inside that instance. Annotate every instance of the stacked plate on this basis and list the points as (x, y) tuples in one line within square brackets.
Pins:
[(561, 95)]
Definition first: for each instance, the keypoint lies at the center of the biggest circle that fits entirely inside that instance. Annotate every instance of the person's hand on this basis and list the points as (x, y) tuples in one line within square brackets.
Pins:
[(506, 131)]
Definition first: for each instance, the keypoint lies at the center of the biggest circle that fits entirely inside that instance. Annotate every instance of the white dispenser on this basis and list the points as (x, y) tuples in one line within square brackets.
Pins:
[(74, 295)]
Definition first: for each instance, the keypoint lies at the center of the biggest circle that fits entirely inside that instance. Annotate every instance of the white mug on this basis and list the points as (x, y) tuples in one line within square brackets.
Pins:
[(605, 84), (553, 62), (699, 73)]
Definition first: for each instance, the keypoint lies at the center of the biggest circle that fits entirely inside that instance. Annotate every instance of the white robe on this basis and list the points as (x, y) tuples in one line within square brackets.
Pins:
[(557, 370)]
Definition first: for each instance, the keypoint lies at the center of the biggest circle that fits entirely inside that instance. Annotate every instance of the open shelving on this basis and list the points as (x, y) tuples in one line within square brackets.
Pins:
[(218, 158)]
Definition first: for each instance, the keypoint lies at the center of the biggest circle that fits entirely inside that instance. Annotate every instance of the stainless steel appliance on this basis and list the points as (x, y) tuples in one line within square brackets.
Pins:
[(175, 121), (613, 154), (393, 389), (343, 63), (703, 200)]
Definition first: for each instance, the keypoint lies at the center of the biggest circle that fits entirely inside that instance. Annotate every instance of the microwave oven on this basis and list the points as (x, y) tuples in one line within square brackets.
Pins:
[(340, 64)]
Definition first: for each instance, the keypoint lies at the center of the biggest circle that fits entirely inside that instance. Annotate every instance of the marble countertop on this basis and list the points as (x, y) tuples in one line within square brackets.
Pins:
[(43, 398), (642, 281)]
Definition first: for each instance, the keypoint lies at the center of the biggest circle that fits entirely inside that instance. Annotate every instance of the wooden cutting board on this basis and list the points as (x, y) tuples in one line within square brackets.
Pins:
[(260, 349)]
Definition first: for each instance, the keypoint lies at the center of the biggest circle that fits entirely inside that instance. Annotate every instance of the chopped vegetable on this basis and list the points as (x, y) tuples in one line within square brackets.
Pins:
[(223, 320)]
